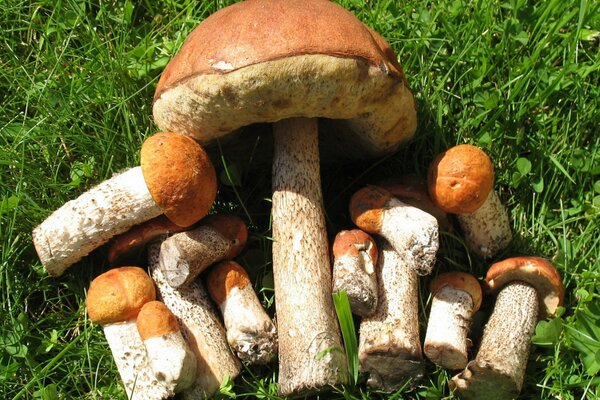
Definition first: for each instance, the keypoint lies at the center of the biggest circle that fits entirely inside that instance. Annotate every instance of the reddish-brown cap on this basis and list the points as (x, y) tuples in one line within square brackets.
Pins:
[(118, 295), (179, 176), (223, 278), (460, 281), (231, 228), (349, 243), (535, 271), (460, 179), (155, 320), (367, 207)]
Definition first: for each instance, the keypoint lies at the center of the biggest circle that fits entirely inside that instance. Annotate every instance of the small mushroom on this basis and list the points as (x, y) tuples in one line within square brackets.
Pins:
[(185, 255), (114, 300), (411, 231), (389, 348), (176, 178), (456, 296), (354, 263), (528, 288), (461, 181), (250, 332), (169, 355)]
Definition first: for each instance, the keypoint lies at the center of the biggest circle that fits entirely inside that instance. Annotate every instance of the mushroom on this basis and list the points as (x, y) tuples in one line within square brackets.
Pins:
[(114, 300), (290, 63), (169, 355), (411, 231), (389, 348), (456, 296), (201, 328), (185, 255), (354, 264), (250, 332), (176, 178), (528, 288), (461, 181)]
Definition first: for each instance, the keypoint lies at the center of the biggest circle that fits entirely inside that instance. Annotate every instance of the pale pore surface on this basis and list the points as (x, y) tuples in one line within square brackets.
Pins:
[(446, 340), (356, 276), (84, 224), (378, 109), (129, 354), (171, 360), (487, 230)]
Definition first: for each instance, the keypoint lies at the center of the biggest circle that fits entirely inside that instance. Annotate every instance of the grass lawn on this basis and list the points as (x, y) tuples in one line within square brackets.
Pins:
[(519, 79)]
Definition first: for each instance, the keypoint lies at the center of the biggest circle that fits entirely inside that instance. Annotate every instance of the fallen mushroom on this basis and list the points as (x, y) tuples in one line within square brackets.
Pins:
[(354, 264), (456, 296), (169, 355), (411, 231), (461, 181), (175, 178), (528, 288), (250, 332), (200, 327), (114, 300), (389, 349), (185, 255), (254, 62)]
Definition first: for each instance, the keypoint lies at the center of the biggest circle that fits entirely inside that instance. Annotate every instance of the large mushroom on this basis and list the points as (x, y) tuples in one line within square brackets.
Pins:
[(528, 288), (176, 178), (291, 62)]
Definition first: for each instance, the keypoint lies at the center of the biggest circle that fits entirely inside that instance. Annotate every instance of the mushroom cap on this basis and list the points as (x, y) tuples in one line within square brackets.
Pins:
[(118, 295), (349, 243), (267, 60), (460, 179), (155, 319), (231, 228), (367, 207), (460, 281), (180, 177), (223, 278), (537, 272)]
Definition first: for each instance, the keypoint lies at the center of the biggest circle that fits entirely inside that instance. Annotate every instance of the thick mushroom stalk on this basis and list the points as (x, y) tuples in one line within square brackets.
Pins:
[(185, 255), (461, 181), (201, 328), (354, 264), (456, 296), (389, 348), (175, 178), (250, 331), (114, 300), (528, 287)]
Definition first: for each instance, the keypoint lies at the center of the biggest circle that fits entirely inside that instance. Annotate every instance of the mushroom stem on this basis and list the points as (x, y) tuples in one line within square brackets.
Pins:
[(446, 341), (82, 225), (389, 347), (311, 355), (499, 367), (201, 328), (487, 230)]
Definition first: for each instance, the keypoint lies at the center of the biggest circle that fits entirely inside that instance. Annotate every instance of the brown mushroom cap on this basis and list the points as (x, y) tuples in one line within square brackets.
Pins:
[(118, 295), (537, 272), (460, 179), (179, 176), (348, 244), (155, 320), (267, 60), (367, 207), (461, 281), (223, 278)]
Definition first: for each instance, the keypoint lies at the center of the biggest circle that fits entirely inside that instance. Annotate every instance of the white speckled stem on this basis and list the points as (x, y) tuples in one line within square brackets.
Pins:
[(202, 330), (132, 362), (487, 230), (171, 360), (84, 224), (389, 345), (412, 232), (250, 332), (356, 276), (498, 370), (446, 340)]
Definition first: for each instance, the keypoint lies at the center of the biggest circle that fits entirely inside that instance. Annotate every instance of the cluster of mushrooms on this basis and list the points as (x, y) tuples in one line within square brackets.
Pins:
[(322, 78)]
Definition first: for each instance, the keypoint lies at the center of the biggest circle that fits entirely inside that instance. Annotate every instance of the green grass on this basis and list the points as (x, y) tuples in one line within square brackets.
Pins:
[(520, 79)]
